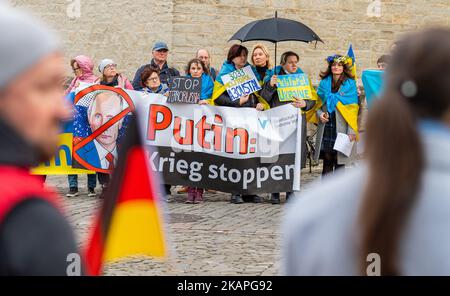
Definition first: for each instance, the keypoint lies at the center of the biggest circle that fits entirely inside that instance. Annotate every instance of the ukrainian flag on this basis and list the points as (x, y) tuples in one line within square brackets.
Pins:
[(351, 54)]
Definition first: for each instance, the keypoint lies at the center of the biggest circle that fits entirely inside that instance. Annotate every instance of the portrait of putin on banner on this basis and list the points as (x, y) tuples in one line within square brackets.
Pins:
[(100, 122)]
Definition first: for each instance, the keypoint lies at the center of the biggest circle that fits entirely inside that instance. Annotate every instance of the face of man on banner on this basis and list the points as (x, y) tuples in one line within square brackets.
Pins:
[(98, 127), (103, 108)]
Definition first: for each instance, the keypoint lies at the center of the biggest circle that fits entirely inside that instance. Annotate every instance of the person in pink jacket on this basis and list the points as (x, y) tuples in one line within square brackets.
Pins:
[(83, 68)]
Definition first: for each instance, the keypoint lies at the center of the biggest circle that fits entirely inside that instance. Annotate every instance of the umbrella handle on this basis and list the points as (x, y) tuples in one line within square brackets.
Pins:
[(275, 66)]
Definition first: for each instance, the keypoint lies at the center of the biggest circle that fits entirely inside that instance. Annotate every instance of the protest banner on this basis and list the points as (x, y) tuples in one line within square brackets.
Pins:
[(293, 86), (102, 114), (61, 163), (240, 83), (184, 90), (227, 149)]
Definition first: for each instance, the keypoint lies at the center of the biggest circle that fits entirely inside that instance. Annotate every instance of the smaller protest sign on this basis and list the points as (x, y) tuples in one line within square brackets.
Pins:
[(293, 86), (184, 90), (240, 83)]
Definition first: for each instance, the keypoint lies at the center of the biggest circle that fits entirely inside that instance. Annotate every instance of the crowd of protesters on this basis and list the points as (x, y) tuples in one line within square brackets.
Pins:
[(337, 84), (395, 206)]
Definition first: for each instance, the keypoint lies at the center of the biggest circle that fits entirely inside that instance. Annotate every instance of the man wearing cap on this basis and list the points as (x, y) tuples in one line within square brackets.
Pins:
[(160, 52), (35, 238)]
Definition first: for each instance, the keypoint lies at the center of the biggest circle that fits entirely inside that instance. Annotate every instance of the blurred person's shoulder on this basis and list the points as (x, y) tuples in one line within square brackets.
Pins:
[(330, 194), (320, 226)]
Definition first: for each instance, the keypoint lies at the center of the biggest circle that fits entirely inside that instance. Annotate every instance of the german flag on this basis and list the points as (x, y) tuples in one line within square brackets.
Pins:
[(129, 222)]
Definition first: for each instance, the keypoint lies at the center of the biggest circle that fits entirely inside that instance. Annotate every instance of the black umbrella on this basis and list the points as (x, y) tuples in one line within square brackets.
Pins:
[(276, 30)]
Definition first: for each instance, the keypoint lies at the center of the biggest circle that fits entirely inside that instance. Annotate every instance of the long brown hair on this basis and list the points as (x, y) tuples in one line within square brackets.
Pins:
[(346, 74), (417, 87)]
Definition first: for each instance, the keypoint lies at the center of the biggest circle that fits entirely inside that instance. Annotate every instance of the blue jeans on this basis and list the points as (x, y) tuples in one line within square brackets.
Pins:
[(73, 181)]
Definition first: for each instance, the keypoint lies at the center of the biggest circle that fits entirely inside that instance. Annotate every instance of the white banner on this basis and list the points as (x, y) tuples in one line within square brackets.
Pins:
[(238, 150)]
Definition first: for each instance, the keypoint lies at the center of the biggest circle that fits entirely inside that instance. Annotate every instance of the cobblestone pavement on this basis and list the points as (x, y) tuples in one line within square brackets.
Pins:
[(212, 238)]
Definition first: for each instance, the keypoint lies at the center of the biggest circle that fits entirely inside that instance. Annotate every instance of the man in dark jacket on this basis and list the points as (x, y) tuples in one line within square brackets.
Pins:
[(35, 238), (160, 53)]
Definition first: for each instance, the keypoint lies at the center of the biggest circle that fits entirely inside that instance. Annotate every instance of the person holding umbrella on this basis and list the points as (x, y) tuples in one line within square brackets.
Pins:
[(289, 61), (237, 59)]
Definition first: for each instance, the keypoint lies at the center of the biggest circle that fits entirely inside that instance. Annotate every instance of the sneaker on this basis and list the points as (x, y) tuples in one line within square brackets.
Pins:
[(257, 199), (191, 196), (236, 199), (167, 198), (198, 196), (72, 192), (91, 192)]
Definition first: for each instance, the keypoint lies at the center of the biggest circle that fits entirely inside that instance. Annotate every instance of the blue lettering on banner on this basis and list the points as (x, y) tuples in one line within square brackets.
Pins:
[(246, 88)]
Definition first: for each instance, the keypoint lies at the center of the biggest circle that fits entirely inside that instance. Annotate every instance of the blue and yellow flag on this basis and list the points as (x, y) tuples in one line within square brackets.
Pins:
[(351, 54)]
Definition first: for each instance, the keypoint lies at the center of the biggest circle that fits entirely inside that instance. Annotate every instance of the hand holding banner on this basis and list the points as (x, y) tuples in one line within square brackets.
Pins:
[(240, 83), (293, 86)]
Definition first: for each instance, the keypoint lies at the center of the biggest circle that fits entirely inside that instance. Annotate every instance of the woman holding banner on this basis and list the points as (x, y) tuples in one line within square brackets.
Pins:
[(197, 69), (338, 113), (82, 67), (237, 59), (261, 60), (151, 82), (110, 76), (289, 61)]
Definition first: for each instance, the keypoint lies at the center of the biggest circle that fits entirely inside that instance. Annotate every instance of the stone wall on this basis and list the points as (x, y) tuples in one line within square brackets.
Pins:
[(126, 30)]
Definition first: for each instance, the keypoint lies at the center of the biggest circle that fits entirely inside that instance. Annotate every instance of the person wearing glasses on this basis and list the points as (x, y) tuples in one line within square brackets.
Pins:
[(160, 54), (82, 67), (110, 76), (151, 82)]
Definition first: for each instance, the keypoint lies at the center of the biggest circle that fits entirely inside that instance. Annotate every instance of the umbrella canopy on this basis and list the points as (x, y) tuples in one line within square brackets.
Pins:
[(276, 30)]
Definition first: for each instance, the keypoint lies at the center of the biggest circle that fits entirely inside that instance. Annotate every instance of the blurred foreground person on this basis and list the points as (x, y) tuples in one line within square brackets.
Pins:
[(394, 210), (35, 238)]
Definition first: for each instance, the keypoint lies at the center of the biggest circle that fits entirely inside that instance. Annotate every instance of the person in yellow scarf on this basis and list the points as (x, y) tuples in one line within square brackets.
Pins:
[(236, 59), (338, 112)]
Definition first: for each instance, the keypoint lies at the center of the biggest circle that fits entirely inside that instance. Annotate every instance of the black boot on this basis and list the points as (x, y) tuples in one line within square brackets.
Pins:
[(236, 199), (275, 198), (252, 198)]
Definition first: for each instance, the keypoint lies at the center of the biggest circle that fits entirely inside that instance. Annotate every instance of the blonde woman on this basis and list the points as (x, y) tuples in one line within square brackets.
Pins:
[(261, 60)]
